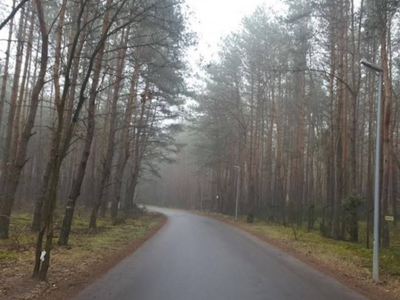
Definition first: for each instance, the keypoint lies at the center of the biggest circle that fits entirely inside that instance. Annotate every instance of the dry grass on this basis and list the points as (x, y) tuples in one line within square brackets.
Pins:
[(350, 260), (85, 249)]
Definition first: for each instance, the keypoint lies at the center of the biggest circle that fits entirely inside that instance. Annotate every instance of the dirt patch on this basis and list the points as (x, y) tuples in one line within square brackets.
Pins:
[(65, 283), (338, 271)]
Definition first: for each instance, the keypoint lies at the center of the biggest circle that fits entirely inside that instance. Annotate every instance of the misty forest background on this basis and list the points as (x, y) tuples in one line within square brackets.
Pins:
[(101, 109), (288, 102)]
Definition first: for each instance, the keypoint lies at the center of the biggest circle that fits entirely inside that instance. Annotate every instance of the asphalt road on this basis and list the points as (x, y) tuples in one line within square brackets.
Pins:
[(198, 258)]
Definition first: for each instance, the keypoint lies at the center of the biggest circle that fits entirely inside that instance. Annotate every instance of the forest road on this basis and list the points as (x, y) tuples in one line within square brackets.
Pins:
[(194, 257)]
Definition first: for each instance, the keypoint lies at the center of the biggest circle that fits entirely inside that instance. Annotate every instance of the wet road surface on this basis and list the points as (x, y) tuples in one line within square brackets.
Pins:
[(194, 257)]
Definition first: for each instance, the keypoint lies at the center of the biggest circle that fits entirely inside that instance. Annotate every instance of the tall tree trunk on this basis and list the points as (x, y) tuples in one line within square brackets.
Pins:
[(386, 140), (111, 135), (395, 182), (8, 153), (12, 169), (75, 190), (48, 170), (339, 128), (124, 143), (19, 162), (16, 130), (61, 146), (6, 66)]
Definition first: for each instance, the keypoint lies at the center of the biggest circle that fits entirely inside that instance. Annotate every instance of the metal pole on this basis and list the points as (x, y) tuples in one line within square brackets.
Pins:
[(201, 199), (375, 256), (375, 260), (237, 191), (163, 195)]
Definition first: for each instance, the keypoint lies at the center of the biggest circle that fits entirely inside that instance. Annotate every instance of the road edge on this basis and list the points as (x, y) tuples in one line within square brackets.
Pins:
[(370, 291), (72, 286)]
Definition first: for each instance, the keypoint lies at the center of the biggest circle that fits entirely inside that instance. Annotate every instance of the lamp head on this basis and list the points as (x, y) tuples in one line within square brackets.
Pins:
[(371, 65)]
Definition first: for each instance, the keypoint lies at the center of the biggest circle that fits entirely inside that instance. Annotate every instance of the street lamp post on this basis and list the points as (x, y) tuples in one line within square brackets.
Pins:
[(375, 259), (163, 195), (237, 191), (201, 198)]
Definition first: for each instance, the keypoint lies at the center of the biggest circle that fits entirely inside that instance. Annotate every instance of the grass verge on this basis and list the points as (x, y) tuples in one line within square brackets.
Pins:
[(87, 256), (350, 263)]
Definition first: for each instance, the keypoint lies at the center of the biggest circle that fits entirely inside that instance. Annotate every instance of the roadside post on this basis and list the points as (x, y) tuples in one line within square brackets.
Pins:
[(237, 190), (375, 259)]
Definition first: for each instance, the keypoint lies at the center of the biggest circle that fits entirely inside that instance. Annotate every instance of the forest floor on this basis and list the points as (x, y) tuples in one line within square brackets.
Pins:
[(349, 263), (88, 255)]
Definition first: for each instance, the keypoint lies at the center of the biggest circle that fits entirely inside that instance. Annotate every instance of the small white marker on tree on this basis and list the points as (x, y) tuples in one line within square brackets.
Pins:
[(42, 255)]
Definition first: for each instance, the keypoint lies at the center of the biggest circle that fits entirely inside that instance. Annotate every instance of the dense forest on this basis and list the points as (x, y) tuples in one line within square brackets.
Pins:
[(286, 121), (100, 109), (90, 96)]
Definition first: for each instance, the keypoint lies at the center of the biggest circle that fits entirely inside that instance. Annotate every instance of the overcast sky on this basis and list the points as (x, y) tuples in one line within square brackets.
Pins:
[(214, 19)]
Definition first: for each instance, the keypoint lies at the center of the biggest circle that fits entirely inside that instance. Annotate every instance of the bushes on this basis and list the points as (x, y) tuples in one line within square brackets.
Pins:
[(351, 205), (250, 218)]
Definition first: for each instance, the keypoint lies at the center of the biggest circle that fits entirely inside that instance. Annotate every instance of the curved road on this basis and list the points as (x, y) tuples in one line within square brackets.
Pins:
[(198, 258)]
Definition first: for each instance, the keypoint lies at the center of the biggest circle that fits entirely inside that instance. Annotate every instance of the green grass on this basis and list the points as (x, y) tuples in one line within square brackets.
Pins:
[(349, 260), (82, 241), (86, 249), (10, 255), (352, 259)]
